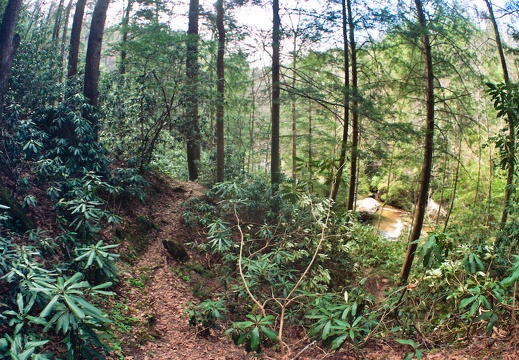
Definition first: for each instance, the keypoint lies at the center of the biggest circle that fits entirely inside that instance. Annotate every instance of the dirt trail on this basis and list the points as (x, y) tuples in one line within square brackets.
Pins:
[(163, 331)]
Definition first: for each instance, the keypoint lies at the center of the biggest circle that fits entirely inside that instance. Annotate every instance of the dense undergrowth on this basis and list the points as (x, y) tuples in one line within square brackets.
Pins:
[(55, 265), (306, 265), (309, 264)]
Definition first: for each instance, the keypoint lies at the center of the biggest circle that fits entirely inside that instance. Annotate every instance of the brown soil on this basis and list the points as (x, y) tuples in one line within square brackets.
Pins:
[(155, 289)]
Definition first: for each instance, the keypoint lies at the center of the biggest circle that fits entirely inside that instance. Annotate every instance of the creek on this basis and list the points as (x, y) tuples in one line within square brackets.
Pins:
[(391, 222)]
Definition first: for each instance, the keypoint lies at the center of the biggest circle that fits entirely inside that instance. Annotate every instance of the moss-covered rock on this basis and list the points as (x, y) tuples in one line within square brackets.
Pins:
[(176, 249)]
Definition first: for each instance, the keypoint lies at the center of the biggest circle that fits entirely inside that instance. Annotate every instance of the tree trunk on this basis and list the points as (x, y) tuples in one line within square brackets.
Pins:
[(93, 55), (388, 185), (193, 131), (511, 124), (421, 204), (455, 186), (444, 180), (294, 110), (252, 123), (8, 45), (310, 146), (220, 69), (75, 37), (36, 12), (124, 25), (344, 141), (275, 113), (64, 42), (355, 111), (57, 23)]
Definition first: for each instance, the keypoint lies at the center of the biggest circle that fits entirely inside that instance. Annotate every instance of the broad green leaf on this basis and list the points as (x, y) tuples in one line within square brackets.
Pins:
[(74, 308), (26, 354), (409, 342), (255, 339), (45, 312), (467, 301), (73, 279), (90, 259), (337, 342), (326, 330), (19, 301), (272, 335)]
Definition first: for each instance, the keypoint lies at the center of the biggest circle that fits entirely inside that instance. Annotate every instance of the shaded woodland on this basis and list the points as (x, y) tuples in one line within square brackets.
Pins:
[(410, 106)]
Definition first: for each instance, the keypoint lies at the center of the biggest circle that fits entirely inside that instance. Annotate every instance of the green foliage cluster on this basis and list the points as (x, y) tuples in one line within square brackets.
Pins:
[(51, 284), (461, 287), (459, 292), (306, 248)]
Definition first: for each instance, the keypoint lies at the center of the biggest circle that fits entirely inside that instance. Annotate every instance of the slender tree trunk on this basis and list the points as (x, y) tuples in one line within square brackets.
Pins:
[(124, 27), (49, 14), (64, 41), (344, 142), (9, 42), (252, 124), (75, 37), (388, 186), (478, 181), (490, 178), (294, 110), (310, 146), (511, 124), (355, 111), (212, 110), (421, 204), (57, 23), (444, 180), (193, 132), (93, 54), (455, 181), (34, 16), (220, 69), (275, 112)]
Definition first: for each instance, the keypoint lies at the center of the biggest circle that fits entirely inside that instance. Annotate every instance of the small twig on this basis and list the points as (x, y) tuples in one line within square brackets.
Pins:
[(242, 241), (288, 300), (303, 350), (383, 318), (513, 303)]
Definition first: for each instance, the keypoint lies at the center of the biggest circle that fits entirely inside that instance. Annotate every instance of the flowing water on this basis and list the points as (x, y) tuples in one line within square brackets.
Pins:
[(391, 222)]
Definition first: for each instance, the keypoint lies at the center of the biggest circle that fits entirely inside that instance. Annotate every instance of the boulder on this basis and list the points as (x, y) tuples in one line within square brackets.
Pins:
[(176, 249), (434, 211), (367, 207)]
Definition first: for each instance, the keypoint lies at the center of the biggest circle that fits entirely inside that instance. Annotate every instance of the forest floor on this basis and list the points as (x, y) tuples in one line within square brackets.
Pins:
[(149, 310)]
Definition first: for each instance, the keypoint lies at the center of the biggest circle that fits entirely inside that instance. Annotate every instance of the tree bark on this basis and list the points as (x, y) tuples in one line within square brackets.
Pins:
[(294, 109), (355, 112), (510, 118), (344, 141), (275, 175), (9, 42), (421, 204), (310, 146), (252, 123), (193, 129), (124, 40), (63, 42), (220, 70), (93, 55), (75, 37), (57, 23)]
